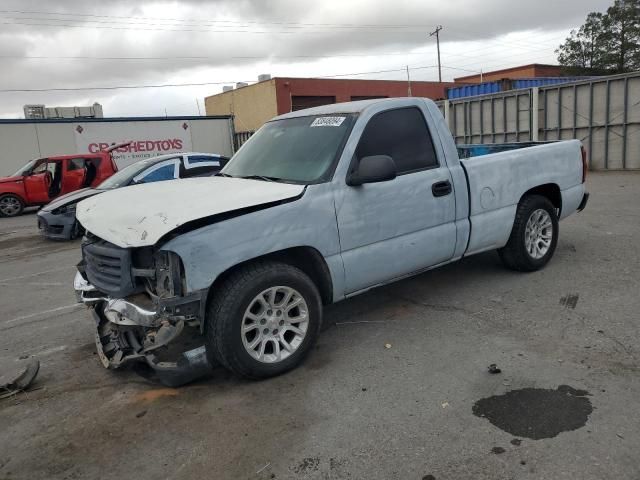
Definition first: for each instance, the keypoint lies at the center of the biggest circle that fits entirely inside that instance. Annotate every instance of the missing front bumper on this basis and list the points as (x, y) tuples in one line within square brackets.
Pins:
[(177, 355), (128, 333)]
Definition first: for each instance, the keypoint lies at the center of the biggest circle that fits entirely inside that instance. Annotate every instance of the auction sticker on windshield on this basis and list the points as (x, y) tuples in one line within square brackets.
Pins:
[(328, 122)]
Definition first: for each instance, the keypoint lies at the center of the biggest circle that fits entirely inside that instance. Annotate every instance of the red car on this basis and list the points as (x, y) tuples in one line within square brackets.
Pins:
[(43, 179)]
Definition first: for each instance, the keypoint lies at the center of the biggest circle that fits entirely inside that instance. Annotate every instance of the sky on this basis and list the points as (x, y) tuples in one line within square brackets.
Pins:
[(78, 44)]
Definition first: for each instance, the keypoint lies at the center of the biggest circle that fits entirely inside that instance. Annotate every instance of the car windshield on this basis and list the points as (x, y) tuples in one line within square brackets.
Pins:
[(298, 150), (25, 170), (125, 176)]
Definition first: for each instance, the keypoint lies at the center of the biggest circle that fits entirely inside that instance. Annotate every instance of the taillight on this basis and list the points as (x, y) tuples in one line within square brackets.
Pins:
[(584, 163)]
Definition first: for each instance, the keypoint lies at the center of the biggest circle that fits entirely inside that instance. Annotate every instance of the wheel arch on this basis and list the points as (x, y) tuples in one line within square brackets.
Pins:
[(306, 258), (550, 191), (15, 194)]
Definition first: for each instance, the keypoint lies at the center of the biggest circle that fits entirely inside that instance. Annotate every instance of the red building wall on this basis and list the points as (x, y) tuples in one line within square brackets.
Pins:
[(343, 90)]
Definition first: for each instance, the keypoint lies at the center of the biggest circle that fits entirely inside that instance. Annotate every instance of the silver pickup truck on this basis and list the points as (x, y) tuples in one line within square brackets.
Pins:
[(318, 206)]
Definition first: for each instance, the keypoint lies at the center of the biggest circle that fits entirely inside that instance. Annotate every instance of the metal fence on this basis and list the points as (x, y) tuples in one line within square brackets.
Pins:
[(603, 113), (239, 138)]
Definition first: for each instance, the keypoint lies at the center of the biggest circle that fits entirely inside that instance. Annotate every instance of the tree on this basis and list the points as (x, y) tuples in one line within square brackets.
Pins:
[(606, 43)]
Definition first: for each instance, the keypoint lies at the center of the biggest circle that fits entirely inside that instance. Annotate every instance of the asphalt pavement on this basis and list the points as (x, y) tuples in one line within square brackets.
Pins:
[(398, 386)]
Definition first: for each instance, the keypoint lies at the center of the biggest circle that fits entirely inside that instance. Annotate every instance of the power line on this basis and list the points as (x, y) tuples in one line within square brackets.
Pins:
[(269, 32), (238, 57), (166, 85), (379, 71), (243, 22), (233, 23), (120, 87)]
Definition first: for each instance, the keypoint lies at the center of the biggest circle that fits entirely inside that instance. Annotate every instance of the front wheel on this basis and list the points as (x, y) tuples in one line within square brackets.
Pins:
[(10, 205), (263, 320), (534, 235)]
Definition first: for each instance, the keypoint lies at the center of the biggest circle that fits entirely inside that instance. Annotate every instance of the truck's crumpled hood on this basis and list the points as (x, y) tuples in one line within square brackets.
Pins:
[(140, 215), (70, 198)]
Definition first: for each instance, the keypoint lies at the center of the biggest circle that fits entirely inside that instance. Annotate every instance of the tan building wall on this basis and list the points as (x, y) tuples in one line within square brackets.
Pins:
[(251, 106)]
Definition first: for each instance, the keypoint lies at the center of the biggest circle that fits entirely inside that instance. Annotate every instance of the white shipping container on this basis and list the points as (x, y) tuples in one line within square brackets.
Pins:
[(23, 140)]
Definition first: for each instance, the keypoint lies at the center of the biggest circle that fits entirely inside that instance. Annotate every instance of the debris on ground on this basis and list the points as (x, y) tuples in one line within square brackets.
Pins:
[(263, 468), (493, 369), (19, 380), (387, 345)]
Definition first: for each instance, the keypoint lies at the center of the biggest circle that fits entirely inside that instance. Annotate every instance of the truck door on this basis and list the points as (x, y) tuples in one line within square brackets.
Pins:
[(393, 228), (74, 175), (37, 183)]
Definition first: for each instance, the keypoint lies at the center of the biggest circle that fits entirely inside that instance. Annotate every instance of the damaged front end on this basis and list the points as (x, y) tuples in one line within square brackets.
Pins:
[(142, 313)]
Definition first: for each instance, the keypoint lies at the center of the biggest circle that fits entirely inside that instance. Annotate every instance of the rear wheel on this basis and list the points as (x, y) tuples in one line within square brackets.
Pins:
[(534, 235), (10, 205), (263, 320)]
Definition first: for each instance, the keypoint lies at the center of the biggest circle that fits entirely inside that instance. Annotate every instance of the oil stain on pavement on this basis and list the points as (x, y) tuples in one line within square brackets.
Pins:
[(536, 412)]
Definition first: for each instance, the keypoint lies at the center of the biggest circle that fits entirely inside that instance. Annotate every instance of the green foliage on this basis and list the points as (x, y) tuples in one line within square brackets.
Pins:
[(606, 43)]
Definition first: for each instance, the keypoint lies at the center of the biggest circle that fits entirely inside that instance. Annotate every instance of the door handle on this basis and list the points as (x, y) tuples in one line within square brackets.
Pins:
[(440, 189)]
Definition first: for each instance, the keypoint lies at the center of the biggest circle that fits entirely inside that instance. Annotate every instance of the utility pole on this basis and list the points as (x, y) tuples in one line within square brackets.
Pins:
[(436, 32), (408, 83)]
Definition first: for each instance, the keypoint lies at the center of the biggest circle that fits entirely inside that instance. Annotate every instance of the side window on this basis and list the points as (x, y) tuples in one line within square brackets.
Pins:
[(200, 159), (165, 172), (199, 172), (75, 164), (201, 166), (403, 135), (40, 168)]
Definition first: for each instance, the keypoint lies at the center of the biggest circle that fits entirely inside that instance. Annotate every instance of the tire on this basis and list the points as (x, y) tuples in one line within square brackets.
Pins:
[(10, 205), (237, 304), (530, 250)]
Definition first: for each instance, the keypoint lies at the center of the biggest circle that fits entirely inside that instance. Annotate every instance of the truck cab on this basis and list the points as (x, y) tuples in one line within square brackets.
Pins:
[(44, 179)]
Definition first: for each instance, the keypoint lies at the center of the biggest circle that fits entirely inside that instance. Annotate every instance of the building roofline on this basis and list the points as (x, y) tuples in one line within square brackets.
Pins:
[(341, 79), (113, 119), (354, 80), (505, 70)]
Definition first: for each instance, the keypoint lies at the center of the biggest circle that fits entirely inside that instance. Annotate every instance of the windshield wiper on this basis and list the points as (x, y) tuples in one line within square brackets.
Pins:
[(262, 177), (220, 174)]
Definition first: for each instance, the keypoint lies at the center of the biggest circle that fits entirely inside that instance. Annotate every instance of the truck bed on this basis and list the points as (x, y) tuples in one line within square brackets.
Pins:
[(493, 201), (468, 150)]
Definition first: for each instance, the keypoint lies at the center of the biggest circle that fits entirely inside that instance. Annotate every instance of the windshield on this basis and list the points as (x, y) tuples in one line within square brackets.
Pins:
[(299, 150), (27, 168), (125, 176)]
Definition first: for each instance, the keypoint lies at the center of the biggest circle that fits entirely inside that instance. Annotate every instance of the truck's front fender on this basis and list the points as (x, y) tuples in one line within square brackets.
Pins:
[(309, 221)]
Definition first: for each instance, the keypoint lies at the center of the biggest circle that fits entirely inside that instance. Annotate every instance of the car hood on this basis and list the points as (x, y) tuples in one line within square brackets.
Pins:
[(140, 215), (72, 197), (9, 179)]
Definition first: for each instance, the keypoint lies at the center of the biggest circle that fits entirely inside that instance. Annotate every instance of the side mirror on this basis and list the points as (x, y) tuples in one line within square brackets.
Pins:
[(376, 168)]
